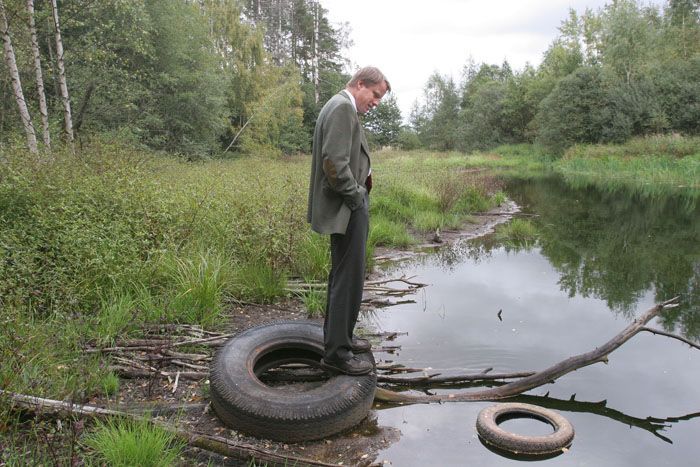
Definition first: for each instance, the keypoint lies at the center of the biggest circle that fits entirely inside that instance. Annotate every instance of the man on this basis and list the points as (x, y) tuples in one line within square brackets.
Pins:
[(339, 206)]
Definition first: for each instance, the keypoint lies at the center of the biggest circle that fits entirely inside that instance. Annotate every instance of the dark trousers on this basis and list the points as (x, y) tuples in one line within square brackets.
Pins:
[(345, 284)]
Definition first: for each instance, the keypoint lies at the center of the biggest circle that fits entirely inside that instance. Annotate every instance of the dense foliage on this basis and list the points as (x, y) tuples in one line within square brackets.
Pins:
[(196, 78), (626, 70)]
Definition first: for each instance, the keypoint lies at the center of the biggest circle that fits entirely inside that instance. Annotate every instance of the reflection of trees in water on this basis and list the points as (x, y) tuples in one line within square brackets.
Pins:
[(651, 424), (615, 245)]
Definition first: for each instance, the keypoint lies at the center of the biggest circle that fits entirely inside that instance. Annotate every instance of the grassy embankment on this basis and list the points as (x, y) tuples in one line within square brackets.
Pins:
[(94, 247), (646, 165)]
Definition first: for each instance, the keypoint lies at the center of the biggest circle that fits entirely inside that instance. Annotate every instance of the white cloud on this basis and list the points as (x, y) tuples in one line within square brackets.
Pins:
[(410, 40)]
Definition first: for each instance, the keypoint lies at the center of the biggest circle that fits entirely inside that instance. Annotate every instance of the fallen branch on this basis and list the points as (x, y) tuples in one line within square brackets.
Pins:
[(204, 441), (404, 279), (390, 336), (160, 344), (131, 372), (600, 354), (384, 302)]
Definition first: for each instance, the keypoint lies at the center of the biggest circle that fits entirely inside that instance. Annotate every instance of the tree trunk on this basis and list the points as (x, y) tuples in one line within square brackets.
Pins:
[(11, 62), (315, 62), (43, 109), (65, 98)]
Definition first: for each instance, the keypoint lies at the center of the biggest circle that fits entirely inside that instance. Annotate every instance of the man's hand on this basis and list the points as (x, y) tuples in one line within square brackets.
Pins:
[(368, 183)]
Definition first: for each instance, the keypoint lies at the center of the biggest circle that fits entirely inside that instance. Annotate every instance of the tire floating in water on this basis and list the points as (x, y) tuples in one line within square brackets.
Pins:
[(492, 434), (285, 413)]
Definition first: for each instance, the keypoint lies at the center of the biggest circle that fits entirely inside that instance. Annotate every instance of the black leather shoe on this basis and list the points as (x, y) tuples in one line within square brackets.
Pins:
[(352, 366), (360, 345)]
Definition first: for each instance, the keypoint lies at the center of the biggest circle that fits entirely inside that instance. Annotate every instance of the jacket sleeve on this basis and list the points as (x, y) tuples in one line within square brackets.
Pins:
[(336, 151)]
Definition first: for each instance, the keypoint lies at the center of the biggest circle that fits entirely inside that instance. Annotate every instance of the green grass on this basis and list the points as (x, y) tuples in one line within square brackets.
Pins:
[(517, 231), (124, 443), (648, 165), (315, 303), (258, 282), (110, 384), (199, 285)]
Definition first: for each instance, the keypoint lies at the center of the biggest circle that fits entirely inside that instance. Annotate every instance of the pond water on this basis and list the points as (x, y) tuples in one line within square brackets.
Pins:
[(601, 258)]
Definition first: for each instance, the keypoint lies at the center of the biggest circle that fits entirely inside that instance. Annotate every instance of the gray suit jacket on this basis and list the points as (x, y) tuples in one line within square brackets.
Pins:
[(339, 167)]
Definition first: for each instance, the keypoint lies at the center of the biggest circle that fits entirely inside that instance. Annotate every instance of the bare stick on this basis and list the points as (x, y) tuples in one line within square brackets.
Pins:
[(144, 373)]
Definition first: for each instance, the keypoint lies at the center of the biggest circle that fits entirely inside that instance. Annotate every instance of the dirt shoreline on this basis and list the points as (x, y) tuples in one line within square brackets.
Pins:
[(359, 447)]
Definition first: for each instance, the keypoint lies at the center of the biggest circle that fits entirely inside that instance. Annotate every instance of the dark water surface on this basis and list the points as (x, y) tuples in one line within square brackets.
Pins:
[(602, 257)]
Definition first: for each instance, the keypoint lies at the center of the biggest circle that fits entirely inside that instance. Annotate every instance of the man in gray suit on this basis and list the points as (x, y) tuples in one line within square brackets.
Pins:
[(339, 205)]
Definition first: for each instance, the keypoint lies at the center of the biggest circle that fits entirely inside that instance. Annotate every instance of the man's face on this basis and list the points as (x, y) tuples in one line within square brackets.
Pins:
[(368, 97)]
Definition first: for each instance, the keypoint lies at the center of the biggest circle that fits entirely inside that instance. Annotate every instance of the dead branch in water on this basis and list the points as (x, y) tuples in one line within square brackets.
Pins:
[(548, 375), (212, 443), (438, 378)]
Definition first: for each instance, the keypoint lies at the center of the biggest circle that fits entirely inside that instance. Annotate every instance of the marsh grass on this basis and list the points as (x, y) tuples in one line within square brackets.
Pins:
[(126, 443), (648, 165), (518, 232), (199, 286), (259, 282), (315, 303), (110, 384), (313, 260), (113, 317)]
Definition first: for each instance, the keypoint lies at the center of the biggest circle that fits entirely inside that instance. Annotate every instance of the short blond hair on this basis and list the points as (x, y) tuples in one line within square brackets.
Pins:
[(369, 75)]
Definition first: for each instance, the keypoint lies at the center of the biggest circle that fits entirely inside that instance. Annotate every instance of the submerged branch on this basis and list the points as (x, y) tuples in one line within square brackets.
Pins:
[(540, 378), (437, 378), (671, 335)]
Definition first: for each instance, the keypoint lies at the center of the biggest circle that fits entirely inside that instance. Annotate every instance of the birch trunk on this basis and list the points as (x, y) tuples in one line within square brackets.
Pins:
[(65, 98), (43, 109), (11, 62), (315, 64)]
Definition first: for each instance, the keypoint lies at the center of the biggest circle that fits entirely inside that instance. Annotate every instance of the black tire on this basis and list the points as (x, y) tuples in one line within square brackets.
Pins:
[(492, 434), (246, 404)]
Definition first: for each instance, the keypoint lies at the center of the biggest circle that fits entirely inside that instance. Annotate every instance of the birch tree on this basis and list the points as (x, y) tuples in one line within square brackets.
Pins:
[(65, 98), (11, 62), (43, 109)]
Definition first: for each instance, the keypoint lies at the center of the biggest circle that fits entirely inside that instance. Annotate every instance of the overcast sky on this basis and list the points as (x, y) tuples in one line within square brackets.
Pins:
[(409, 40)]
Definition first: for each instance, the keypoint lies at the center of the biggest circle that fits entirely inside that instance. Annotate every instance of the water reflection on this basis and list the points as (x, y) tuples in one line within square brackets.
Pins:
[(610, 245), (596, 252)]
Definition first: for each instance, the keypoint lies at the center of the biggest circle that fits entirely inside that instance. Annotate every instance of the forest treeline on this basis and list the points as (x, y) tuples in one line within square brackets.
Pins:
[(625, 70), (194, 77), (214, 77)]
